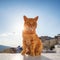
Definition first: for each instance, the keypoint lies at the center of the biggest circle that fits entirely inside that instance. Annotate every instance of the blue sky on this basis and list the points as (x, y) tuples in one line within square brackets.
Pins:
[(11, 18)]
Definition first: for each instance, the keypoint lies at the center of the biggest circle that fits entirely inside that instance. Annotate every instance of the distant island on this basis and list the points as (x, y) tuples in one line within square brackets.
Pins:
[(2, 47), (7, 49)]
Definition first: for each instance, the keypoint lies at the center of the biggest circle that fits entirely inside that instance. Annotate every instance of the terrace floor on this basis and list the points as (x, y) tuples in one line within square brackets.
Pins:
[(17, 56)]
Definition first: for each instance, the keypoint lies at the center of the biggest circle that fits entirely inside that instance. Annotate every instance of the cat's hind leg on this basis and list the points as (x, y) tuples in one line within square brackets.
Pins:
[(38, 50), (32, 50)]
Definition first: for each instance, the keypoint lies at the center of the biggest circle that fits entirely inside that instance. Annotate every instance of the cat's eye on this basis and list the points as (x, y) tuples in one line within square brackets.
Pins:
[(28, 22)]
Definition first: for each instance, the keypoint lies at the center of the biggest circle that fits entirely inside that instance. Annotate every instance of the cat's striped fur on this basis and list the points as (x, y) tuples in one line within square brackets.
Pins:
[(32, 45)]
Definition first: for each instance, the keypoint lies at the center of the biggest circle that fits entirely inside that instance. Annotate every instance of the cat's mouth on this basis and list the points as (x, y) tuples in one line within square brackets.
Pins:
[(30, 28)]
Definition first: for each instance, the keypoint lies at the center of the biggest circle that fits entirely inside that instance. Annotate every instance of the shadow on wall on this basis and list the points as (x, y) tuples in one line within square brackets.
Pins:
[(35, 58)]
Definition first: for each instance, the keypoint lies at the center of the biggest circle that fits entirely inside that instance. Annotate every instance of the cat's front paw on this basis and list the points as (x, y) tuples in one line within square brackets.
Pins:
[(38, 54), (23, 53), (32, 54)]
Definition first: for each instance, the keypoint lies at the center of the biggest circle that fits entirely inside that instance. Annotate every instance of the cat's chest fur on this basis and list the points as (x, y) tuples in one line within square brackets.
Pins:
[(29, 39)]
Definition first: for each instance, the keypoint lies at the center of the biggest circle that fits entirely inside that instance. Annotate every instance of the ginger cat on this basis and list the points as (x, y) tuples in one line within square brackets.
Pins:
[(32, 45)]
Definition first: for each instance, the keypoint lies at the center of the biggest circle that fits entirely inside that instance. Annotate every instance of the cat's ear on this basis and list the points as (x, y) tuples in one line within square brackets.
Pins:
[(25, 18), (36, 18)]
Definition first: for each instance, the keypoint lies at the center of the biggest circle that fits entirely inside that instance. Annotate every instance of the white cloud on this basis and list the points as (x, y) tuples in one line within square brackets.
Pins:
[(5, 34), (10, 39)]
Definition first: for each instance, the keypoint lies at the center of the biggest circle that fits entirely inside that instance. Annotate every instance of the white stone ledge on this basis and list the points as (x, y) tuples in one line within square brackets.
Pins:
[(44, 56)]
